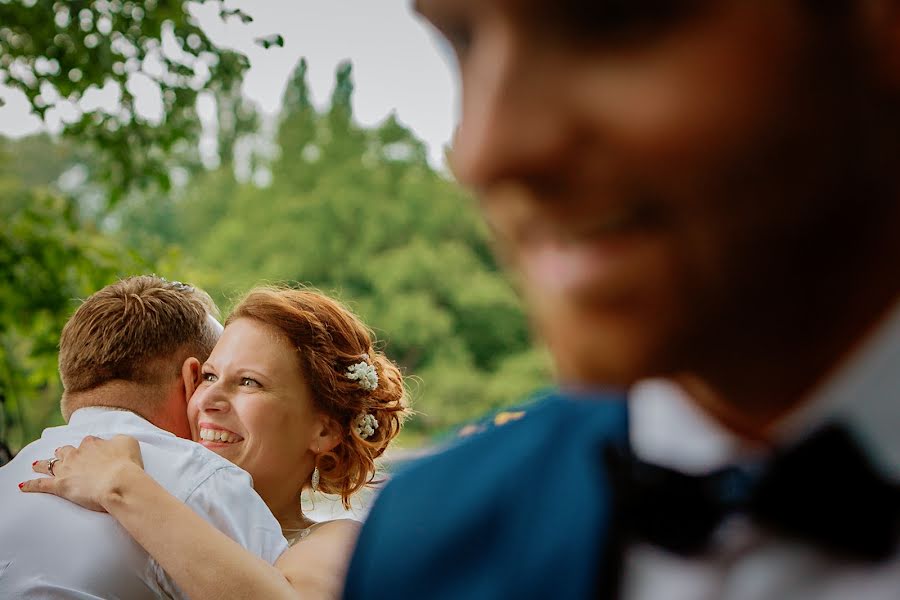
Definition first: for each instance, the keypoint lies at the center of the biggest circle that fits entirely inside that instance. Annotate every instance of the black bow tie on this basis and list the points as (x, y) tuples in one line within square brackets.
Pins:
[(823, 491)]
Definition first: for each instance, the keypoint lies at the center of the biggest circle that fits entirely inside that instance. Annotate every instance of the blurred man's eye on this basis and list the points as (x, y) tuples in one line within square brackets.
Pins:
[(580, 21), (611, 20)]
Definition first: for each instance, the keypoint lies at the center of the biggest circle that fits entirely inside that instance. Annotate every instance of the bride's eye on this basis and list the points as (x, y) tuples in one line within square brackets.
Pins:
[(248, 382), (209, 377)]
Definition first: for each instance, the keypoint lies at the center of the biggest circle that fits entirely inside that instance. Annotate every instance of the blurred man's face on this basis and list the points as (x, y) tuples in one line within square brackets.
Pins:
[(656, 171)]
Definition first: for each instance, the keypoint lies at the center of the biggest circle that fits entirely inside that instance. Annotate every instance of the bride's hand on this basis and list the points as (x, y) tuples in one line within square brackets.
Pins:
[(90, 474)]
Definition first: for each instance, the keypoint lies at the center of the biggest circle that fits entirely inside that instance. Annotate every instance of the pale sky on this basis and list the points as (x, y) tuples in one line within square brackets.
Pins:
[(398, 64)]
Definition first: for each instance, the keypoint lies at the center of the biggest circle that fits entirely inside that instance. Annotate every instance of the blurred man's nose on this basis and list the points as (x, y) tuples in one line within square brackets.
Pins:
[(514, 123)]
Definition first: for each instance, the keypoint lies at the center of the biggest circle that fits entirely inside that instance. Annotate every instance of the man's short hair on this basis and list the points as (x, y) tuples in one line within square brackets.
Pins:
[(139, 329)]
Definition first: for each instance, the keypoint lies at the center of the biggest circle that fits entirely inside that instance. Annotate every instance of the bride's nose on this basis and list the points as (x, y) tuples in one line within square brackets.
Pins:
[(213, 400)]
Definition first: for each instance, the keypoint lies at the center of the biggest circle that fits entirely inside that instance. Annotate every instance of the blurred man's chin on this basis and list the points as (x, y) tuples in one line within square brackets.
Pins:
[(596, 356), (607, 339)]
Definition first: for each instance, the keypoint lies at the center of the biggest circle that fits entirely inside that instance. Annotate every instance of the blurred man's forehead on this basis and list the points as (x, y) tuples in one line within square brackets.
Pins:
[(427, 7), (571, 7)]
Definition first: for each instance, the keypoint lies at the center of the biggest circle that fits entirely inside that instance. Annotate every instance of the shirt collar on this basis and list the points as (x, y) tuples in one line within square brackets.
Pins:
[(863, 394), (91, 414)]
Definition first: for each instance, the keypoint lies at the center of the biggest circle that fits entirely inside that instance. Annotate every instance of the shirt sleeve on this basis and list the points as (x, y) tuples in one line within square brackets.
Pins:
[(227, 500)]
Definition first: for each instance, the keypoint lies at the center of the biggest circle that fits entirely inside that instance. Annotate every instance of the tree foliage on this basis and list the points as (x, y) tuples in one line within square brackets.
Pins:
[(49, 257), (57, 53)]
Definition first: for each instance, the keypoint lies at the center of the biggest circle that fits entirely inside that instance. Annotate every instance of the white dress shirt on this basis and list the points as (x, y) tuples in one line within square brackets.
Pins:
[(52, 548), (746, 562)]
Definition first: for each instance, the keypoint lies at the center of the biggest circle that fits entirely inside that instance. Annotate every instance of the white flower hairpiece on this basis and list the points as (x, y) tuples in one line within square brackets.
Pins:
[(365, 425), (364, 374)]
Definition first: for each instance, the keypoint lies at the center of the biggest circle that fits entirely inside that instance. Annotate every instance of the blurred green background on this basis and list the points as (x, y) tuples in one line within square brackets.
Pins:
[(313, 198)]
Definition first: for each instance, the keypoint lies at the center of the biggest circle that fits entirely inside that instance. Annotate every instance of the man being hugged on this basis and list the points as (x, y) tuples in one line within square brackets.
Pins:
[(129, 360)]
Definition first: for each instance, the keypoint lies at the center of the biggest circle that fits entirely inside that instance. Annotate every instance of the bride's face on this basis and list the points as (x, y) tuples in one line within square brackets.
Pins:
[(254, 407)]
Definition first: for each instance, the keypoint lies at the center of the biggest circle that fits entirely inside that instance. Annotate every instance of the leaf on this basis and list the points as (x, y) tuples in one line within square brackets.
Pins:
[(225, 13), (268, 41)]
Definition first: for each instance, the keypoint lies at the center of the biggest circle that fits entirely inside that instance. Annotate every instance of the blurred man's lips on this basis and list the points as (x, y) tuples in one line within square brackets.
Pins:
[(554, 266), (526, 219), (586, 253)]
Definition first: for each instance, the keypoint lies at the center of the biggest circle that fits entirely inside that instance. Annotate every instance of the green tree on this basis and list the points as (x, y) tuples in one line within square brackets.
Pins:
[(49, 258), (55, 52)]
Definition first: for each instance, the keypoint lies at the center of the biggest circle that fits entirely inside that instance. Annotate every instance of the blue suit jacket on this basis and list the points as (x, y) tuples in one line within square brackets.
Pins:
[(520, 511)]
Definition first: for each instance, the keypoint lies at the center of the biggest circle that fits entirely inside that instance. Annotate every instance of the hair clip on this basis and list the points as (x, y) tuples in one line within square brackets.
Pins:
[(365, 425), (364, 374)]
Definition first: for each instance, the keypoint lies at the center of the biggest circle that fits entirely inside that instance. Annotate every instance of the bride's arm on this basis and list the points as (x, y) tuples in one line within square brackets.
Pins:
[(170, 531), (108, 475)]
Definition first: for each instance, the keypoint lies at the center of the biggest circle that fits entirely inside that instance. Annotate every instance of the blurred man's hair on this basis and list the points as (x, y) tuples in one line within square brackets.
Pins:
[(138, 330)]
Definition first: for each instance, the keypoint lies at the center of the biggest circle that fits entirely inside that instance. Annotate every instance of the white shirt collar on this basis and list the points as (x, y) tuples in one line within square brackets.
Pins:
[(91, 414), (88, 413), (863, 394)]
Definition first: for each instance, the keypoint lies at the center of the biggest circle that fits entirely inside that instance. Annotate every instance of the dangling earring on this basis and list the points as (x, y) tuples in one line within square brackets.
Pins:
[(314, 481)]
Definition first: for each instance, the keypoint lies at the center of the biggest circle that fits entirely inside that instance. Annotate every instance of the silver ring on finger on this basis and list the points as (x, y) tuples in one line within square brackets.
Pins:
[(50, 464)]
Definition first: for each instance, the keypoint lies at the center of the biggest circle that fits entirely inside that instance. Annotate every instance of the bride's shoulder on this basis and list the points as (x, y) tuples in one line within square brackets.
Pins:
[(337, 532), (341, 523), (336, 528), (319, 560)]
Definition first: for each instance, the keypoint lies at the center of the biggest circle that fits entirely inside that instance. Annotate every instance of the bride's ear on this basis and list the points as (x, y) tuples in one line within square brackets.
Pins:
[(327, 434), (190, 376)]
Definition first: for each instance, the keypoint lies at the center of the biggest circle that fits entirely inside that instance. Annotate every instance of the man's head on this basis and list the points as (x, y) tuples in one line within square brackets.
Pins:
[(683, 184), (144, 333)]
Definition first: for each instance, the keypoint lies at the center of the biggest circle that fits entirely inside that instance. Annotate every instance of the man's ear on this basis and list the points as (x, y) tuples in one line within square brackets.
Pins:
[(326, 436), (190, 376)]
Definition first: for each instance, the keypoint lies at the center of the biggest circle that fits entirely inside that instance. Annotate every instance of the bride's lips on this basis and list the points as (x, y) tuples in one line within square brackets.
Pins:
[(216, 436)]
